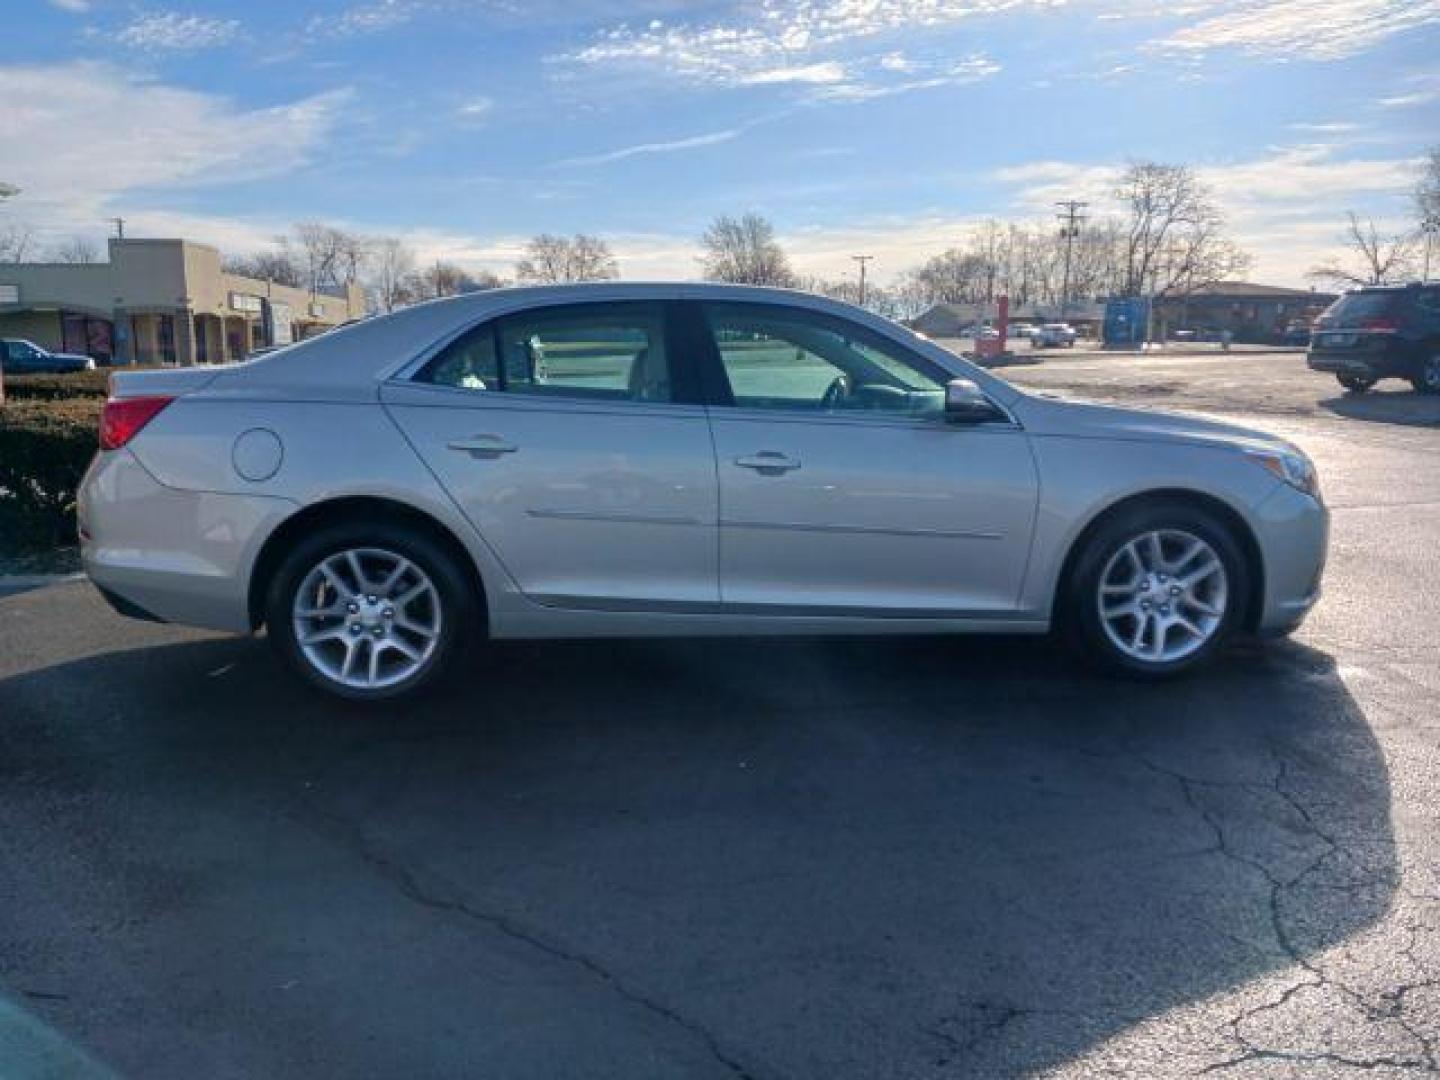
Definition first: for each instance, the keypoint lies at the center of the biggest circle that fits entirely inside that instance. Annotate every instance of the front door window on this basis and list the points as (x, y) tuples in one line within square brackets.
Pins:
[(805, 361)]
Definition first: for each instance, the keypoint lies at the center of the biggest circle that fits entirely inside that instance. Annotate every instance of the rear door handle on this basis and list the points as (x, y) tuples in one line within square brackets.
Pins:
[(768, 463), (483, 446)]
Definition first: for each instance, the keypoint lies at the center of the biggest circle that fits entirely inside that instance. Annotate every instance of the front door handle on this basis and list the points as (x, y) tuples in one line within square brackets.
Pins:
[(768, 463), (483, 446)]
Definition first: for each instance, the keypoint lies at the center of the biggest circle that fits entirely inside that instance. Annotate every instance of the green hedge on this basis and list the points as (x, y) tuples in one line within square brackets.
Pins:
[(45, 447), (50, 387)]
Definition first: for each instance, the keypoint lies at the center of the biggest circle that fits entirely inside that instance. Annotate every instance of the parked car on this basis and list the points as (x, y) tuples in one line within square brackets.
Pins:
[(1053, 336), (1020, 330), (1296, 332), (19, 356), (1381, 332), (627, 459)]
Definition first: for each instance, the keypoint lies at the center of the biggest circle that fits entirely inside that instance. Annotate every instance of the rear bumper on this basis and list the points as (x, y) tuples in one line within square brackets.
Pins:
[(1380, 357), (1293, 531), (169, 555)]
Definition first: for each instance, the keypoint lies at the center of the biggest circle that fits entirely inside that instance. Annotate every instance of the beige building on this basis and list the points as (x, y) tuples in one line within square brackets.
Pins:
[(161, 302)]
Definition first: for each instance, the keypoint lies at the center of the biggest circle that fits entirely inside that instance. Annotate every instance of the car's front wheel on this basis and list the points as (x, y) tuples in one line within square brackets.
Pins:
[(1157, 590), (1355, 384), (369, 612), (1427, 379)]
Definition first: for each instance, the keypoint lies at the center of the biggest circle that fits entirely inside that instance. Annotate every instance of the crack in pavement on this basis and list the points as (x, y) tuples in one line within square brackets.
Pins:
[(1319, 977), (404, 881)]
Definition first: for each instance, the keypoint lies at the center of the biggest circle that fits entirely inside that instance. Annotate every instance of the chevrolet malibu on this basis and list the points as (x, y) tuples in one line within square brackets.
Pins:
[(604, 460)]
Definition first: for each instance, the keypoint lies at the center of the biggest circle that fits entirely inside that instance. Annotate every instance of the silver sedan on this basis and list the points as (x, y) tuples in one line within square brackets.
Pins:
[(600, 460)]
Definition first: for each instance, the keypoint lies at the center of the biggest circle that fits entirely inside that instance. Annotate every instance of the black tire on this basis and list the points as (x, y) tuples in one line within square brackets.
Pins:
[(1427, 377), (458, 604), (1079, 615), (1355, 384)]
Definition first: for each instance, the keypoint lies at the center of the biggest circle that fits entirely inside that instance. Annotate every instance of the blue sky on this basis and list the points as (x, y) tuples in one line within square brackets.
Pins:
[(876, 126)]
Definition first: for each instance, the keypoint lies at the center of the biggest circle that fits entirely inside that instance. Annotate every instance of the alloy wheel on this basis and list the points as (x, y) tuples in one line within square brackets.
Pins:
[(367, 618), (1162, 596)]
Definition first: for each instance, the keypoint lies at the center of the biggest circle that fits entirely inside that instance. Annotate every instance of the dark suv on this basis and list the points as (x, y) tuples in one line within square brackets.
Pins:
[(1382, 332)]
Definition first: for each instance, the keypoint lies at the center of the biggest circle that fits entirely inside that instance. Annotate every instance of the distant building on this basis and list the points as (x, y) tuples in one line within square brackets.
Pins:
[(1252, 313), (949, 320), (161, 302)]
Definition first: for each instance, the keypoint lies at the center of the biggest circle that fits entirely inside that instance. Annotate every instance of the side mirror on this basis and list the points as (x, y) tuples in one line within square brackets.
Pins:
[(966, 403)]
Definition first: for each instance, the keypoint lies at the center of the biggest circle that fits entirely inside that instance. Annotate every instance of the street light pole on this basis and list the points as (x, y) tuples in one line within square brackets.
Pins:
[(862, 260)]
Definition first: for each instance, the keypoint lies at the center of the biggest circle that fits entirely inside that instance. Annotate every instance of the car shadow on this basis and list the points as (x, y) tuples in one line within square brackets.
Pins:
[(1408, 407), (850, 857)]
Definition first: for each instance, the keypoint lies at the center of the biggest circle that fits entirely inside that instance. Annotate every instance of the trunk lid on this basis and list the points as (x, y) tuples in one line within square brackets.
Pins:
[(171, 382)]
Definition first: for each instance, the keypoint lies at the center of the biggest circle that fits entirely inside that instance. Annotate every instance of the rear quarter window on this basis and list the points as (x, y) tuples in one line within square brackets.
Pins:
[(1362, 305)]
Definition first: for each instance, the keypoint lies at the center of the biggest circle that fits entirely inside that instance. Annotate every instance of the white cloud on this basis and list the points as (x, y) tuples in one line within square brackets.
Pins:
[(810, 42), (691, 142), (79, 7), (1418, 97), (827, 72), (1301, 29), (170, 31), (60, 120), (475, 108), (365, 19), (1333, 127)]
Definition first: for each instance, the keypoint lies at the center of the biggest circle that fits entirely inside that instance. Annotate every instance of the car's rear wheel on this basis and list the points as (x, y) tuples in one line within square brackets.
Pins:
[(1157, 590), (1356, 384), (1427, 379), (369, 612)]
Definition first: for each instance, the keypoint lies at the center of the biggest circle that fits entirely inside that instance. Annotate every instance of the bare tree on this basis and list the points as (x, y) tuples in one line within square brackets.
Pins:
[(1174, 237), (78, 249), (393, 263), (15, 242), (331, 257), (1427, 205), (880, 300), (1373, 258), (279, 266), (550, 259), (744, 251)]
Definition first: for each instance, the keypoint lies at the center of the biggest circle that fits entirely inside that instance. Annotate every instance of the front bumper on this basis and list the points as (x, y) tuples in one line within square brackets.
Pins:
[(167, 554), (1293, 531)]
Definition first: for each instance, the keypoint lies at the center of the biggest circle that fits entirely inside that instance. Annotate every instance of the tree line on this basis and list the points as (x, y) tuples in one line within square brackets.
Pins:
[(1165, 235)]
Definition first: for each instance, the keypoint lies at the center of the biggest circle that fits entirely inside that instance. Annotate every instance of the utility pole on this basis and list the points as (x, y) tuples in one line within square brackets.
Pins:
[(1429, 229), (862, 260), (119, 227), (1069, 229)]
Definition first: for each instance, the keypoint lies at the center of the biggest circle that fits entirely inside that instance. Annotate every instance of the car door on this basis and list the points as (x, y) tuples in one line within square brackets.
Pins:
[(573, 440), (843, 488)]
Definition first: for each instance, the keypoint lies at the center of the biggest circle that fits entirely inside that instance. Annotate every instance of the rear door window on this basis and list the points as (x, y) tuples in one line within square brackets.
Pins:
[(605, 351)]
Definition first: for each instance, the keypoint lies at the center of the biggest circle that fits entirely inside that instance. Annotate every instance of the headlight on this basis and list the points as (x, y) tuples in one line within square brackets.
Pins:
[(1291, 466)]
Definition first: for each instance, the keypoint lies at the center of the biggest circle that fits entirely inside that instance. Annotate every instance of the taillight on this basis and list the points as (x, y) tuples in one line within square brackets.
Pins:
[(1381, 324), (123, 418)]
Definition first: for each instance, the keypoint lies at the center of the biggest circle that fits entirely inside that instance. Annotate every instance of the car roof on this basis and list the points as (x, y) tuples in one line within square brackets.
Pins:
[(348, 361)]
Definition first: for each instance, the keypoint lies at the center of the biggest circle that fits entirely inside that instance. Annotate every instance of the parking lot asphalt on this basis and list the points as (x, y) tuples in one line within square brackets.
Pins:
[(850, 858)]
